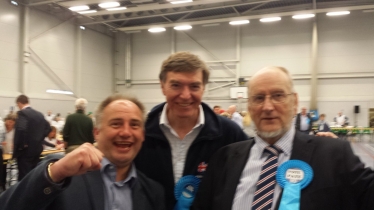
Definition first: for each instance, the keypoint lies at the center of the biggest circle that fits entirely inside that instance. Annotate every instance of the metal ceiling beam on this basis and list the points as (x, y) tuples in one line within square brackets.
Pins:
[(251, 17), (170, 13)]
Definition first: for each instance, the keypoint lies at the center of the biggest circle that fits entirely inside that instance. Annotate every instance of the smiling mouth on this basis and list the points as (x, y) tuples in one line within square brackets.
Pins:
[(184, 104), (123, 144)]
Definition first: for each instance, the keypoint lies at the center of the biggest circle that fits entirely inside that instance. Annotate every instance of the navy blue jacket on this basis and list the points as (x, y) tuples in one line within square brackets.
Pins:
[(155, 159)]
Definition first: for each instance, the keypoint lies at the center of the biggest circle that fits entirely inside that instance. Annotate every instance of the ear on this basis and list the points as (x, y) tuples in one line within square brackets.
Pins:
[(163, 87), (296, 103), (96, 132)]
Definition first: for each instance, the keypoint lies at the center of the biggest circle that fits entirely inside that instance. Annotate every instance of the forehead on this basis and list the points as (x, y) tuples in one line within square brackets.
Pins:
[(193, 76), (269, 81), (122, 108)]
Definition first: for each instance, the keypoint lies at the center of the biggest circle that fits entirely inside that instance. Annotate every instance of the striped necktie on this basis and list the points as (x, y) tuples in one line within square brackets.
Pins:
[(263, 197)]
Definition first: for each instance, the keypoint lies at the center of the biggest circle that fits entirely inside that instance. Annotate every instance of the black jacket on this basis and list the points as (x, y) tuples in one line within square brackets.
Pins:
[(155, 159)]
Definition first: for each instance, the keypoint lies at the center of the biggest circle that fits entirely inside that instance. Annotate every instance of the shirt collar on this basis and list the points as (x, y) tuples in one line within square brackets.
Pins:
[(26, 106), (285, 142), (164, 120), (109, 169)]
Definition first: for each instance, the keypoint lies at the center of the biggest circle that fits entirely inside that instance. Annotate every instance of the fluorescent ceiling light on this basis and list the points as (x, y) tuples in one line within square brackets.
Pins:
[(88, 11), (303, 16), (184, 27), (60, 92), (109, 4), (82, 27), (14, 3), (155, 30), (272, 19), (117, 8), (337, 13), (79, 8), (239, 22), (181, 1)]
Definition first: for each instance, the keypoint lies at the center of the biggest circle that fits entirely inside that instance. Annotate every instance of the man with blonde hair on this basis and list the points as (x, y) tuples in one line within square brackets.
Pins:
[(78, 127), (242, 175)]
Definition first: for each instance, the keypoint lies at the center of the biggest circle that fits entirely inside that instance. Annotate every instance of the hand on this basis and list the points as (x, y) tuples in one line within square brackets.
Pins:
[(327, 134), (59, 146), (79, 161)]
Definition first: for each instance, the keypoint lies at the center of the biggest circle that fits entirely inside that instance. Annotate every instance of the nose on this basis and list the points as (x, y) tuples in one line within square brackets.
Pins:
[(186, 93), (268, 104), (125, 130)]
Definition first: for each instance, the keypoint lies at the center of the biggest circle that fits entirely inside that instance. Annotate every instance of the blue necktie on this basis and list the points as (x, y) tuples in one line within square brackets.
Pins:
[(264, 194)]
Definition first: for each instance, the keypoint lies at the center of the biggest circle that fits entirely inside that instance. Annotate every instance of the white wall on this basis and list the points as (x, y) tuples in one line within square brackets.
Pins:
[(345, 61), (59, 60)]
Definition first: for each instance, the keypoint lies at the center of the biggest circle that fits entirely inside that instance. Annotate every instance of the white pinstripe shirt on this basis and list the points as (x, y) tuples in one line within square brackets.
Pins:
[(251, 173), (179, 147)]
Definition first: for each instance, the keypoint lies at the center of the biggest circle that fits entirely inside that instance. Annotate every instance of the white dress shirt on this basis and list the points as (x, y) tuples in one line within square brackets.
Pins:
[(179, 147), (251, 173)]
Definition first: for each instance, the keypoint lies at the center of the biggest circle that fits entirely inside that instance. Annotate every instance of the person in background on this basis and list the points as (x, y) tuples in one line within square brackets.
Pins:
[(217, 109), (30, 130), (49, 116), (91, 178), (182, 134), (241, 175), (2, 170), (235, 116), (341, 119), (78, 127), (58, 123), (50, 142), (10, 121), (323, 126), (303, 121)]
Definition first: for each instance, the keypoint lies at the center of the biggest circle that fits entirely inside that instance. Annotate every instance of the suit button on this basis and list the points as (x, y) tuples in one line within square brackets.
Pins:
[(47, 190)]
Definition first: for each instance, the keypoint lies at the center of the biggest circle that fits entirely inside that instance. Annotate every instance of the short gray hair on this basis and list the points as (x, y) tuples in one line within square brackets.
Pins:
[(81, 104), (116, 97)]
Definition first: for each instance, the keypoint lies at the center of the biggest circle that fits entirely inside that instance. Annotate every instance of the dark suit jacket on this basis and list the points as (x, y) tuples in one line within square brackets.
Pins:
[(340, 179), (83, 192), (30, 130), (298, 121)]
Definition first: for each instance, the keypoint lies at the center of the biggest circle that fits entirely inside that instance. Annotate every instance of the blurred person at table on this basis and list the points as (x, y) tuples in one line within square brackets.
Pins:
[(10, 121), (58, 123), (50, 142)]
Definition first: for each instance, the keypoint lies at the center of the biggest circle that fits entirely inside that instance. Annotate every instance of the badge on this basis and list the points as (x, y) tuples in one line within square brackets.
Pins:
[(202, 167), (293, 176), (185, 192)]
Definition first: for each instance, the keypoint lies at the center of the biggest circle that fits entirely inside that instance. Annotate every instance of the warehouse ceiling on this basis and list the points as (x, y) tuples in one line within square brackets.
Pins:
[(143, 14)]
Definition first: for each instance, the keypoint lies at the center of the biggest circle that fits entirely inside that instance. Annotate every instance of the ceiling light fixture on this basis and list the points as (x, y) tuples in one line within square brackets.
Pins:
[(88, 11), (181, 1), (272, 19), (14, 3), (239, 22), (79, 8), (60, 92), (156, 30), (109, 4), (303, 16), (337, 13), (184, 27), (116, 8), (82, 27)]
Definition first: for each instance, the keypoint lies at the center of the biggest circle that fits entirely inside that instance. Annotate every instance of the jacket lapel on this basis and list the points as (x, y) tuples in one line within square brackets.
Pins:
[(302, 149), (95, 189), (235, 165)]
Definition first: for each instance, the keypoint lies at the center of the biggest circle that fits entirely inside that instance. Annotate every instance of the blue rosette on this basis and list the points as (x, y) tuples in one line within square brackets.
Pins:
[(185, 192), (293, 176)]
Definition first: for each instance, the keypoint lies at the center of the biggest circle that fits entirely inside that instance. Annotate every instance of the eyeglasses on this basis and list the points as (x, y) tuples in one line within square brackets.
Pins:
[(275, 98)]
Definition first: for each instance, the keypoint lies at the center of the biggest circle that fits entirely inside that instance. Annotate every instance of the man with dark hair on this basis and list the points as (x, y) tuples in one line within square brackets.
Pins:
[(90, 178), (217, 109), (184, 132), (30, 130)]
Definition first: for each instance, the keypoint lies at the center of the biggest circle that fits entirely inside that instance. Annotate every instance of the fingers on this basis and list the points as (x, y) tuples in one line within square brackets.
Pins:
[(84, 158)]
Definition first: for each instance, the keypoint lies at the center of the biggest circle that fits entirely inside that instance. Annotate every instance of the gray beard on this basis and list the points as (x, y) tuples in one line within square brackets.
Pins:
[(272, 134)]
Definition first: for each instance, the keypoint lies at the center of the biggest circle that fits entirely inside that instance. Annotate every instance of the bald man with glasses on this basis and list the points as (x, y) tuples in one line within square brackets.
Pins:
[(241, 176)]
